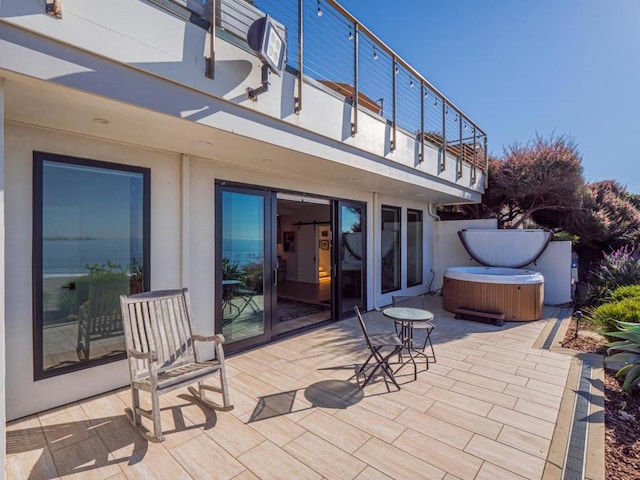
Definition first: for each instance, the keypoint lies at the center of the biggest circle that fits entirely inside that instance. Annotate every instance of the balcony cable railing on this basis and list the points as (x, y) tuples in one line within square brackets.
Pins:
[(331, 49)]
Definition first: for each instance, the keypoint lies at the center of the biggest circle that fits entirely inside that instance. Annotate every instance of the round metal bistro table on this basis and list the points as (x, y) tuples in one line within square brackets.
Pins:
[(406, 317)]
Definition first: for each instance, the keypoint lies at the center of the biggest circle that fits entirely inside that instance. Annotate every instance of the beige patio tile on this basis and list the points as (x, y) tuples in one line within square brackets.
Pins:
[(407, 398), (534, 409), (451, 353), (439, 454), (475, 423), (66, 427), (489, 471), (558, 361), (474, 379), (335, 431), (451, 363), (103, 407), (323, 457), (525, 441), (551, 389), (277, 428), (88, 459), (385, 405), (120, 438), (371, 473), (480, 393), (251, 386), (395, 462), (509, 458), (542, 376), (505, 367), (429, 379), (557, 371), (371, 423), (497, 356), (533, 395), (487, 372), (233, 435), (204, 459), (24, 435), (433, 427), (281, 381), (448, 476), (498, 353), (242, 403), (268, 461), (479, 407), (34, 463), (522, 421), (246, 475)]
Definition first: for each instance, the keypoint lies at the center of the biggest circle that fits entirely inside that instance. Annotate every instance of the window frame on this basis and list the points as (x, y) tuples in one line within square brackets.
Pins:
[(398, 211), (419, 248), (39, 158)]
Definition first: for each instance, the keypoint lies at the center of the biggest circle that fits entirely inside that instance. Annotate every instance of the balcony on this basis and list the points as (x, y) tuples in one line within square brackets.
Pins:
[(331, 51)]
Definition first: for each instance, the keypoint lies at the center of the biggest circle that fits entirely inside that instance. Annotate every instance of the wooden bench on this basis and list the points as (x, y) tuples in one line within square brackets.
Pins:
[(497, 318), (162, 355)]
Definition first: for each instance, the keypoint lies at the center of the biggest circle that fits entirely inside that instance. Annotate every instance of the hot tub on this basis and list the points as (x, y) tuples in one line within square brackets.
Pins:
[(517, 293)]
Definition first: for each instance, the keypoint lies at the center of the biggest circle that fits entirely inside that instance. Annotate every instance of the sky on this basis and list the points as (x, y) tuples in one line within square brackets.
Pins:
[(520, 68)]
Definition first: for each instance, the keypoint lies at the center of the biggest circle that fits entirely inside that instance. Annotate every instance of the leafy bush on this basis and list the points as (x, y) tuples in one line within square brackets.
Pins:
[(617, 269), (628, 291), (626, 354), (607, 316)]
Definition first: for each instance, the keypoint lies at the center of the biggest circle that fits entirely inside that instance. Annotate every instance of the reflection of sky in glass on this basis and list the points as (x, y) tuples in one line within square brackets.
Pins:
[(89, 202), (243, 216), (350, 218)]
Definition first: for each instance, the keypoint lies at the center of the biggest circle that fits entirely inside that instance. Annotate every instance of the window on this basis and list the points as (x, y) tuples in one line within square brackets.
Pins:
[(414, 247), (390, 249), (91, 244)]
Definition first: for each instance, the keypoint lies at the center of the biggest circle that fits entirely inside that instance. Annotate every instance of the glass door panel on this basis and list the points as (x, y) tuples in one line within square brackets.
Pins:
[(351, 262), (244, 270)]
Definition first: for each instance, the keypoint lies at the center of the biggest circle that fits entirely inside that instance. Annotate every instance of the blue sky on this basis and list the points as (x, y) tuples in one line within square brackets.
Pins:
[(520, 67)]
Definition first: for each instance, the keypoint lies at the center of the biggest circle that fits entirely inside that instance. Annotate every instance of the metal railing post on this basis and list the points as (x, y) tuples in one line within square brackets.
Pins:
[(394, 66), (354, 124), (444, 135), (486, 163), (474, 173), (461, 153), (421, 135), (210, 63), (298, 99)]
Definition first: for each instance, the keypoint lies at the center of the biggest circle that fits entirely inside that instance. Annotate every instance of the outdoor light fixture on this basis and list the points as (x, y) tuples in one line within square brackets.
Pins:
[(411, 82), (319, 9), (263, 37), (53, 8), (375, 53), (350, 35)]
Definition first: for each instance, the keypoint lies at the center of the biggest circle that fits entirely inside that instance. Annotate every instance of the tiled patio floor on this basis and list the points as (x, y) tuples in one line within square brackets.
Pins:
[(486, 410)]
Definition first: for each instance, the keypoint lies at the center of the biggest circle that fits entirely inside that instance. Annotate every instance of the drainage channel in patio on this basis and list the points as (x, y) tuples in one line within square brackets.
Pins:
[(575, 457), (575, 460)]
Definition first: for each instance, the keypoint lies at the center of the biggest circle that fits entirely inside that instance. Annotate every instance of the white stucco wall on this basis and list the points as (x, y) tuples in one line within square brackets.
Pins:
[(3, 279), (448, 249), (23, 395), (172, 210), (555, 266)]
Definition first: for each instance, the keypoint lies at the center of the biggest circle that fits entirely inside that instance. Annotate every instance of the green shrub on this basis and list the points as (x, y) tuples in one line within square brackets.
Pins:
[(617, 269), (628, 291), (624, 355), (607, 315)]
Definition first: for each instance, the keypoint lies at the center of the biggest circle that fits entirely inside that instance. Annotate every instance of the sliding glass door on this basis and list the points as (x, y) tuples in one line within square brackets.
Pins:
[(245, 259), (351, 251)]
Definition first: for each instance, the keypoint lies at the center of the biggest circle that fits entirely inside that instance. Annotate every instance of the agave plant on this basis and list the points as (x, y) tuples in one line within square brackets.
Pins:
[(624, 355)]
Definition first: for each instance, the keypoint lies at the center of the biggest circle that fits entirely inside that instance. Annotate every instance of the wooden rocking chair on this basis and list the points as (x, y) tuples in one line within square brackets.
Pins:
[(162, 354)]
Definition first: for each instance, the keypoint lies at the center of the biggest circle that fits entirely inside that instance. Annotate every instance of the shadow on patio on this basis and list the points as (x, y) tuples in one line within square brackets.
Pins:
[(486, 409)]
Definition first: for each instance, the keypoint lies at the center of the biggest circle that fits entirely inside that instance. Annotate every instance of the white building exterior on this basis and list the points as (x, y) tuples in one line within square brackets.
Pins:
[(124, 82)]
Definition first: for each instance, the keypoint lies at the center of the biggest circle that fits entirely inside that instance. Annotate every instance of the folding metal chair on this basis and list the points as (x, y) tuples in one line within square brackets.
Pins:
[(375, 343)]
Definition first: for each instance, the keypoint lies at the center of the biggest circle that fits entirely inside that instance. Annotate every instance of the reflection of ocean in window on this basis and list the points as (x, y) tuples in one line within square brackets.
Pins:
[(243, 251)]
